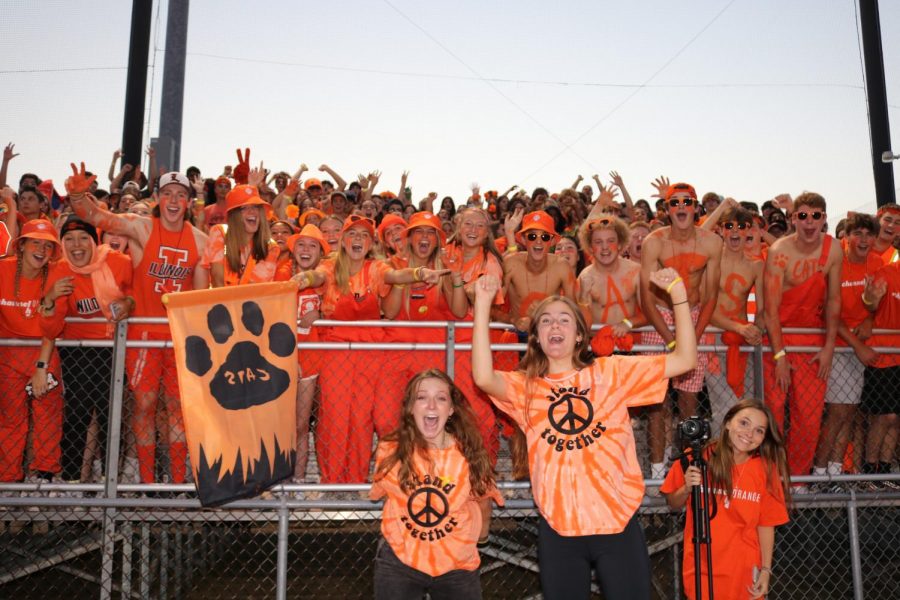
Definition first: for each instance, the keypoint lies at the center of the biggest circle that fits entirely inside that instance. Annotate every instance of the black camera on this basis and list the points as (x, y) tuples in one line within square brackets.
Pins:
[(693, 431)]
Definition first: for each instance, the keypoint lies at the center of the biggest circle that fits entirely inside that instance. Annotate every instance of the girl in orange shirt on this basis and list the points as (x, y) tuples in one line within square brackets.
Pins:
[(23, 282), (585, 476), (433, 471), (241, 251), (750, 480)]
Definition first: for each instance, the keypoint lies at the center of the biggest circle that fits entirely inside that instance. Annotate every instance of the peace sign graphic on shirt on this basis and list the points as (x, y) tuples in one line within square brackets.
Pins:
[(432, 507)]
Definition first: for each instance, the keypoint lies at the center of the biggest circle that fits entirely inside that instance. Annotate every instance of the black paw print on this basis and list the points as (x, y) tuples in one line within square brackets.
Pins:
[(246, 378)]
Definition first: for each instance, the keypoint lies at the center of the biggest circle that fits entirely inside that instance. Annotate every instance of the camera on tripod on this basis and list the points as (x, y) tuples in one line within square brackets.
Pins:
[(693, 432)]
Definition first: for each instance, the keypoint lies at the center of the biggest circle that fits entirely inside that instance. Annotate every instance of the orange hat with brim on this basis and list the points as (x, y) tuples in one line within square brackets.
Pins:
[(309, 213), (358, 221), (311, 182), (426, 219), (389, 221), (243, 195), (41, 229), (538, 220), (312, 232), (675, 188), (223, 179)]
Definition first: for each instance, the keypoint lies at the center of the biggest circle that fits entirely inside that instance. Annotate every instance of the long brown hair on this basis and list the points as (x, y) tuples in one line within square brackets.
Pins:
[(236, 238), (45, 272), (771, 451), (462, 425), (534, 363)]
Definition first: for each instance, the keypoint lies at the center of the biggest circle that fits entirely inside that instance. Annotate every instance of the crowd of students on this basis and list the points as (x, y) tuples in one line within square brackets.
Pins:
[(361, 253), (551, 265)]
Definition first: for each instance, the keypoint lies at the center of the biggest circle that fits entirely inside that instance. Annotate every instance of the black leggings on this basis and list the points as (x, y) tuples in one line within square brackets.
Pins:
[(86, 376), (621, 561)]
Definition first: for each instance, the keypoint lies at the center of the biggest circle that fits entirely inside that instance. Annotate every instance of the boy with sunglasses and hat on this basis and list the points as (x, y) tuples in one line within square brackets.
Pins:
[(696, 254), (802, 289), (533, 274)]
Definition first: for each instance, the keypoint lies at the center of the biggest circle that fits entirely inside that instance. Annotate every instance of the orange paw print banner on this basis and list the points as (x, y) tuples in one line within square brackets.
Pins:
[(236, 351)]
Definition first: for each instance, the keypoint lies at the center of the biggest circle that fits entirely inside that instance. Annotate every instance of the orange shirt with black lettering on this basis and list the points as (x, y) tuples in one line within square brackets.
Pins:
[(82, 302), (167, 266), (585, 475), (433, 528), (853, 282), (733, 528), (888, 315), (19, 316)]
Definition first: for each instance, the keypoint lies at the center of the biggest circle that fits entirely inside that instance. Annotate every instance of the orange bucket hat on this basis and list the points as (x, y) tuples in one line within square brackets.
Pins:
[(426, 219), (390, 220), (243, 195), (312, 232), (538, 220), (41, 229)]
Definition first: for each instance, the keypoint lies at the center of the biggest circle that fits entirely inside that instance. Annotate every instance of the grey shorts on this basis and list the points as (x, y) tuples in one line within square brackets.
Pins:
[(845, 383)]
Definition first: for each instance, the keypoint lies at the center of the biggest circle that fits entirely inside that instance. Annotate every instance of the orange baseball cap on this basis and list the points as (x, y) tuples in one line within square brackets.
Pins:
[(311, 182), (388, 221), (358, 221), (681, 187), (312, 232), (427, 219), (536, 220), (223, 179), (310, 212), (41, 229), (243, 195)]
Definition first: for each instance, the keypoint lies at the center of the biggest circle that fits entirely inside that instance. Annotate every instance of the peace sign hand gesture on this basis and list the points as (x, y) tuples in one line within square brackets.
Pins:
[(242, 170), (79, 183)]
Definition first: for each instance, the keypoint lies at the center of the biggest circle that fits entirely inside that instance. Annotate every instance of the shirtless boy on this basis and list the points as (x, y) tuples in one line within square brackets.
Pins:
[(739, 274), (802, 289), (610, 285), (534, 274), (696, 254), (165, 250)]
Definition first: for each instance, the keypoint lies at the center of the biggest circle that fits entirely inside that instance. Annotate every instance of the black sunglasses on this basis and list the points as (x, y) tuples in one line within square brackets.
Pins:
[(817, 215), (732, 225), (545, 237), (675, 202)]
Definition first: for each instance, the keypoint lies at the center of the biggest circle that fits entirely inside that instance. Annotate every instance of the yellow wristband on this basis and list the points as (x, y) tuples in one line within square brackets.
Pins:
[(513, 248), (779, 355), (671, 285), (629, 323), (417, 273), (866, 302), (671, 345)]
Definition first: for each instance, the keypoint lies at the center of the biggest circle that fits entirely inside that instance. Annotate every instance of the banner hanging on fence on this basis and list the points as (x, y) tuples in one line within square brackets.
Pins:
[(236, 351)]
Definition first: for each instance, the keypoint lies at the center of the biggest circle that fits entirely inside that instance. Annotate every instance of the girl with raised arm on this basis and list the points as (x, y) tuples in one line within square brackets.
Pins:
[(585, 476)]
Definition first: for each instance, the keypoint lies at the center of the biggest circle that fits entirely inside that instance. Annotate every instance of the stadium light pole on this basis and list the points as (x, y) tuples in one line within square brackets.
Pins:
[(136, 81), (879, 125), (168, 144)]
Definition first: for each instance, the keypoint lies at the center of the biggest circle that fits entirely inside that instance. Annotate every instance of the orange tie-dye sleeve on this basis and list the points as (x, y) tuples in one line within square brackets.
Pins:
[(214, 252), (434, 528)]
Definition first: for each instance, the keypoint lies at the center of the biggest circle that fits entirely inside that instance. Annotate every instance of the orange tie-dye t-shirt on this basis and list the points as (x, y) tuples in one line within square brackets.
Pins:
[(434, 528), (585, 475)]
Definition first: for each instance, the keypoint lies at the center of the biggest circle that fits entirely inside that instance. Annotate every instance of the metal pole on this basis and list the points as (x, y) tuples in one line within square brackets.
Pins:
[(136, 82), (451, 344), (145, 561), (758, 388), (855, 564), (281, 575), (168, 146), (876, 94)]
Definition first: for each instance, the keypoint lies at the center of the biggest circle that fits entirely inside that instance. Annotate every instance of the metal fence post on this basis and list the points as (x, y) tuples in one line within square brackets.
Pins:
[(451, 345), (855, 564), (758, 387), (281, 574), (117, 385)]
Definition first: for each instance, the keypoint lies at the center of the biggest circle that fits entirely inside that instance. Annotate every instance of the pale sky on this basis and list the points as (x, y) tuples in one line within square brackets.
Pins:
[(749, 98)]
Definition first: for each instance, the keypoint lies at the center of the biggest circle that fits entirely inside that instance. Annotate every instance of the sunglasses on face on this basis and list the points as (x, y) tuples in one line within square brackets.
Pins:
[(675, 202), (817, 215), (600, 223), (545, 237), (732, 225)]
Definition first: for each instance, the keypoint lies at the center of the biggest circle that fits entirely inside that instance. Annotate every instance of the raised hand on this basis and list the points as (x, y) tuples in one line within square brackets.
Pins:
[(151, 151), (669, 280), (874, 290), (290, 190), (486, 288), (616, 179), (255, 176), (607, 195), (512, 220), (784, 202), (79, 183), (661, 184), (242, 170), (117, 154), (374, 177), (323, 167), (9, 152)]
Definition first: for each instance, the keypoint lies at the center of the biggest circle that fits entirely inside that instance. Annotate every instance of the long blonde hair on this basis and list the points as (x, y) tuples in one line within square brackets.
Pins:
[(236, 238)]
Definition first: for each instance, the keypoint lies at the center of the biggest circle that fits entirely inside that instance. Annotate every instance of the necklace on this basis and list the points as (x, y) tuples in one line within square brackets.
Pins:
[(734, 486)]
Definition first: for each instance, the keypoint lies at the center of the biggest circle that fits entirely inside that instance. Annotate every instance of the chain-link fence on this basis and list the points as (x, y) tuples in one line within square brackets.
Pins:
[(71, 526)]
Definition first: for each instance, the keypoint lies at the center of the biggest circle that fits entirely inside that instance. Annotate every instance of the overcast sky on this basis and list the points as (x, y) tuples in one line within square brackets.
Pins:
[(746, 98)]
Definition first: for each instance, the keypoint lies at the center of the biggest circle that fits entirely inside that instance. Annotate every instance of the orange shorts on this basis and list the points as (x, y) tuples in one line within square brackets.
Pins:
[(148, 368)]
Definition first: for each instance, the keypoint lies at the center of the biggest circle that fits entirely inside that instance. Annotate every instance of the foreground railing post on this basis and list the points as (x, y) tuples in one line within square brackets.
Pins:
[(855, 562), (117, 387), (451, 344), (758, 387), (281, 575)]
